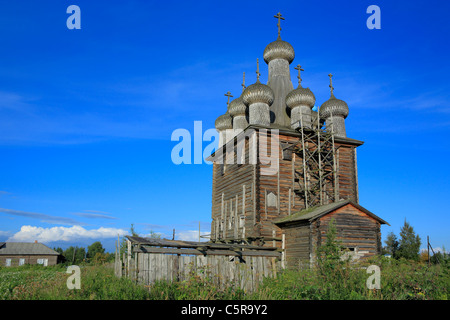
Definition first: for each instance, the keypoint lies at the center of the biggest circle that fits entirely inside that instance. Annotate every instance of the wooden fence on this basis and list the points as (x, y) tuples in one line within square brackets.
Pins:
[(150, 260)]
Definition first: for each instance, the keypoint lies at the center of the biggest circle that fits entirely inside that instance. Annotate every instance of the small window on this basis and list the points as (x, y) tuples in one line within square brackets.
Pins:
[(8, 262), (21, 261), (44, 262), (241, 221)]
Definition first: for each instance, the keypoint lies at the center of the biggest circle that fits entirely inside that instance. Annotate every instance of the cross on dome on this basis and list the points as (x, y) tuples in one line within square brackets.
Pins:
[(299, 68), (331, 84), (257, 70), (228, 94), (279, 17)]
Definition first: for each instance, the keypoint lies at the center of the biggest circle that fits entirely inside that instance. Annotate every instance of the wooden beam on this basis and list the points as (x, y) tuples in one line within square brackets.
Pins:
[(255, 253)]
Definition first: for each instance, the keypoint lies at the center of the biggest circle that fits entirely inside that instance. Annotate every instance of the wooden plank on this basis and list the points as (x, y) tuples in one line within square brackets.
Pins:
[(271, 253)]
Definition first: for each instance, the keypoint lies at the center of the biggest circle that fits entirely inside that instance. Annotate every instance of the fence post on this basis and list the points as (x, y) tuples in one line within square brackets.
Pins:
[(129, 258)]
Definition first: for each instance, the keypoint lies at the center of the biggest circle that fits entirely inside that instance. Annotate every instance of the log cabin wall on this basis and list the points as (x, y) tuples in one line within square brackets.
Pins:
[(234, 209), (277, 190), (298, 244), (347, 173), (355, 229), (247, 198)]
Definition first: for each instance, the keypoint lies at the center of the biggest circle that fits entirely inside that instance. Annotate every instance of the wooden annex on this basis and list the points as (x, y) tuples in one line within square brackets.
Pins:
[(150, 260), (357, 228)]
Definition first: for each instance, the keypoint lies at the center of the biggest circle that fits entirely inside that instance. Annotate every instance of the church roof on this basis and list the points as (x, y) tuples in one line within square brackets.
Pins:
[(314, 213)]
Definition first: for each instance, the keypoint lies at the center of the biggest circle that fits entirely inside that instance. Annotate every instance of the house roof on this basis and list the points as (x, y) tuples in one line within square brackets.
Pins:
[(25, 248), (313, 213)]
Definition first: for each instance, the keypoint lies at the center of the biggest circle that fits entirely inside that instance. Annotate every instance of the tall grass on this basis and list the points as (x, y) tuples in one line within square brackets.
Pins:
[(50, 283), (400, 280)]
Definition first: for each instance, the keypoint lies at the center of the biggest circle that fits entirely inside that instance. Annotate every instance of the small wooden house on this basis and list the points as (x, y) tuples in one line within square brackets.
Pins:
[(358, 231), (20, 253)]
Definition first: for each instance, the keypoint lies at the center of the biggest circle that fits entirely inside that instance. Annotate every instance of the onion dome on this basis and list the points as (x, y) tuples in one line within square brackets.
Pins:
[(279, 49), (258, 92), (224, 122), (237, 107), (300, 96), (333, 107)]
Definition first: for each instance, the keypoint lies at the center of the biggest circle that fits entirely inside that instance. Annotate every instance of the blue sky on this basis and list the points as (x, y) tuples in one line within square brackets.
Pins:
[(86, 115)]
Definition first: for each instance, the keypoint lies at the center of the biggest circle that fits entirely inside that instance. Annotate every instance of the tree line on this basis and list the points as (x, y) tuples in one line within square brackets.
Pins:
[(408, 247), (95, 254)]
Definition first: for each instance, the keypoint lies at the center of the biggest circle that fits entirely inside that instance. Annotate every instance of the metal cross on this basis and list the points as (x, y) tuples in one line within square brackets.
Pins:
[(257, 70), (228, 94), (331, 84), (243, 83), (279, 17), (299, 68)]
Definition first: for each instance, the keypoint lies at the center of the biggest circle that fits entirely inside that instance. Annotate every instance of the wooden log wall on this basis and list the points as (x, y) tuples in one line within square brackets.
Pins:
[(355, 230), (242, 197), (297, 245), (347, 175), (234, 209)]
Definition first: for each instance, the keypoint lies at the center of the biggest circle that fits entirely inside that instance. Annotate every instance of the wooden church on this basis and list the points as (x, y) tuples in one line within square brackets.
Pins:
[(284, 168)]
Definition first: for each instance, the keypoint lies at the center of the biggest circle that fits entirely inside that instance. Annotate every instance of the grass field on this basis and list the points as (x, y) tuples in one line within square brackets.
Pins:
[(400, 280)]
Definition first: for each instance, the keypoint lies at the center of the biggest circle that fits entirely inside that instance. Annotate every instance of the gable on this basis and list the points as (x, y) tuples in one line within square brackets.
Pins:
[(350, 216), (314, 213)]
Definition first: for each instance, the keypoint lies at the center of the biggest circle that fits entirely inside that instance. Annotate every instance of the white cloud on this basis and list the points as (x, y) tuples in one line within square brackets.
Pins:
[(54, 234)]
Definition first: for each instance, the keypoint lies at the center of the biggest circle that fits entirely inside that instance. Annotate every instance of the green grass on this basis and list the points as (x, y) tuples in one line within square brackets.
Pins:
[(400, 280), (50, 283)]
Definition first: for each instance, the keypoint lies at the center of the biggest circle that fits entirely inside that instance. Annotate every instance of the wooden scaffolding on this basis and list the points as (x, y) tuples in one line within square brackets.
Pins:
[(316, 180)]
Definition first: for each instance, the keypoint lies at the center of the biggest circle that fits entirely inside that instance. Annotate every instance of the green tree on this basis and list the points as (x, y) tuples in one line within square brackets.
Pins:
[(59, 250), (93, 249), (391, 244), (329, 254), (74, 255), (409, 244), (123, 244)]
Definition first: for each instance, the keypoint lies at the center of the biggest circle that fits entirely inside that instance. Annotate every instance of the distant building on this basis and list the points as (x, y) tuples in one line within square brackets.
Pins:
[(20, 253)]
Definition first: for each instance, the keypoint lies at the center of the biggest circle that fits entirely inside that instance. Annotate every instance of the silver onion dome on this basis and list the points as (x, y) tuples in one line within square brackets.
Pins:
[(300, 97), (333, 107), (258, 92), (224, 122), (279, 49), (237, 107)]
